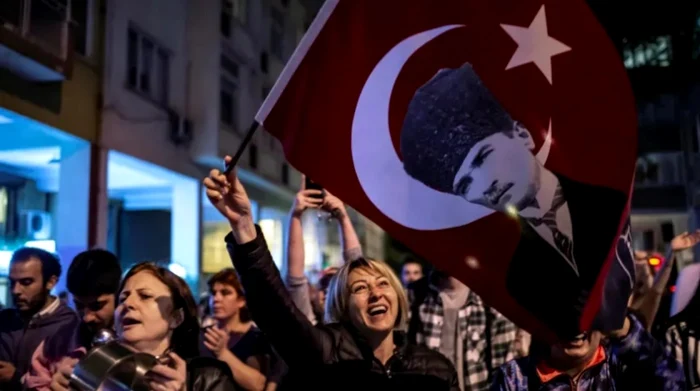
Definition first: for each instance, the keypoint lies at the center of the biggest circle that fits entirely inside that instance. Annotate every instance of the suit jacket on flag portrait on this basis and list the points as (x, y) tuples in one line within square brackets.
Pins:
[(539, 279)]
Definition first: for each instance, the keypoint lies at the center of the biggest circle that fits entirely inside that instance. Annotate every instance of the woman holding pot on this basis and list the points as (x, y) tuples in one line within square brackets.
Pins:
[(156, 314)]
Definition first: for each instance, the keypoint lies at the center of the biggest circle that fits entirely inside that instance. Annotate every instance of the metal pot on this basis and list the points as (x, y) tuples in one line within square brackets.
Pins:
[(112, 367)]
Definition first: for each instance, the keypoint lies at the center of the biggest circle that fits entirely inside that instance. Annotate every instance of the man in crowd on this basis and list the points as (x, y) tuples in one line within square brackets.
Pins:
[(93, 281), (36, 313), (448, 317)]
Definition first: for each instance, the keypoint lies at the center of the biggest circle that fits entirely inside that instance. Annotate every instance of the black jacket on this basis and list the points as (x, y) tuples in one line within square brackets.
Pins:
[(19, 339), (208, 374), (330, 356)]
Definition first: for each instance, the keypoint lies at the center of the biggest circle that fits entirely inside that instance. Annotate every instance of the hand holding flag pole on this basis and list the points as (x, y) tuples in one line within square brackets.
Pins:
[(246, 140)]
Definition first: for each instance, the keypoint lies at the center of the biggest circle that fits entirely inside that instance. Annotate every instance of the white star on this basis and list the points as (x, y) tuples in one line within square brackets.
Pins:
[(535, 45)]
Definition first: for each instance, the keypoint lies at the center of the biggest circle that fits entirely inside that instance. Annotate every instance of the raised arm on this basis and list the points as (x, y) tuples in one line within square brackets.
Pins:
[(648, 306), (352, 249), (289, 330), (296, 280), (291, 333)]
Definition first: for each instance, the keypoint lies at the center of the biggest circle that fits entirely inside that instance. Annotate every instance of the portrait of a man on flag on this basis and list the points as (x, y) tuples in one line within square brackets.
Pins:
[(458, 139)]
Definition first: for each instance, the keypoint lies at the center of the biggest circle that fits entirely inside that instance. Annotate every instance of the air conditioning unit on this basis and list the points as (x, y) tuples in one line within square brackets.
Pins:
[(35, 225), (180, 128)]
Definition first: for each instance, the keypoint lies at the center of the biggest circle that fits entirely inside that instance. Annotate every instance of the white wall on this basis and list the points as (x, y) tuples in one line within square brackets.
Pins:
[(248, 40), (131, 123), (203, 43)]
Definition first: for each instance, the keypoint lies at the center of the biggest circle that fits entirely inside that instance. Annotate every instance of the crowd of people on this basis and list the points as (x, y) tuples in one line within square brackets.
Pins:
[(361, 326)]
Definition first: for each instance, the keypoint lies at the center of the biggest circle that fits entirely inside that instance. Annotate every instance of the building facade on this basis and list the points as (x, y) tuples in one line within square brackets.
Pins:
[(660, 46), (50, 83), (237, 55), (151, 206), (182, 83), (111, 112)]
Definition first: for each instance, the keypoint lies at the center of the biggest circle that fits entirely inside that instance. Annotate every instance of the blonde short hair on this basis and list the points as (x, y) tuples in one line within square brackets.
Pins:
[(339, 291)]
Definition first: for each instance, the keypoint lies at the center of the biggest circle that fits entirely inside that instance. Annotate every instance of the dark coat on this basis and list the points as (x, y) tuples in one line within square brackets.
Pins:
[(329, 356)]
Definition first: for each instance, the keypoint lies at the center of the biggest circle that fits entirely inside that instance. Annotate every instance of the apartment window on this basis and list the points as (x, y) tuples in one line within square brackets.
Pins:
[(80, 19), (277, 33), (230, 10), (227, 101), (44, 12), (228, 94), (226, 15), (264, 62), (11, 13), (148, 66), (253, 156), (229, 66), (163, 72), (655, 53), (240, 10)]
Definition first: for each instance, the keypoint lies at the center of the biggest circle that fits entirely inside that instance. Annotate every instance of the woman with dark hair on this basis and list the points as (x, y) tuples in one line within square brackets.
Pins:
[(156, 314), (234, 339)]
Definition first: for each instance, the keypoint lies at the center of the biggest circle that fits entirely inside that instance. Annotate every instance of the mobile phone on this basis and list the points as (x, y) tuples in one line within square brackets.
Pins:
[(311, 185)]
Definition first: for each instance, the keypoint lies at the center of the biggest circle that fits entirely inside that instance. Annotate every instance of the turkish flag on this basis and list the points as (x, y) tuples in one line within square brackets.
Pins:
[(495, 138)]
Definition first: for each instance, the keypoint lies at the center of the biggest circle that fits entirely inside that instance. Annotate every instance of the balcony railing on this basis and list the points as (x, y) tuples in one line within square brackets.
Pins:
[(37, 28)]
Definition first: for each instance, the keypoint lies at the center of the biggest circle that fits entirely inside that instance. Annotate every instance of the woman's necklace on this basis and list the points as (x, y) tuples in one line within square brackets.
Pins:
[(165, 359)]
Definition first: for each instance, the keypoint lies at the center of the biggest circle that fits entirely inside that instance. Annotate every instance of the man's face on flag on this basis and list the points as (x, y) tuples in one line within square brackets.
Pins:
[(500, 172)]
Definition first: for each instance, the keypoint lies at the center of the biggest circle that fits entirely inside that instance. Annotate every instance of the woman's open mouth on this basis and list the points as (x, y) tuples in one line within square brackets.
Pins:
[(129, 322), (377, 311)]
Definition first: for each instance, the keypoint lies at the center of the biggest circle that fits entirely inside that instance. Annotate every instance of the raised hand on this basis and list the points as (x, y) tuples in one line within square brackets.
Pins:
[(333, 205), (306, 199), (229, 197), (685, 241), (216, 340)]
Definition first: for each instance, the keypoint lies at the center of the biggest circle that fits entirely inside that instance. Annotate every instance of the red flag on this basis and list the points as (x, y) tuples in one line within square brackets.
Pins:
[(496, 138)]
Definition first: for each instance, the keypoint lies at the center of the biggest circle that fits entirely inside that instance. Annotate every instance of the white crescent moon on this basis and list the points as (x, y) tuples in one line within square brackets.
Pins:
[(401, 198)]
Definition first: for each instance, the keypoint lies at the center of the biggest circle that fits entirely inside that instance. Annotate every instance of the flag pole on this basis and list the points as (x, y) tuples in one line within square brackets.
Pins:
[(246, 140)]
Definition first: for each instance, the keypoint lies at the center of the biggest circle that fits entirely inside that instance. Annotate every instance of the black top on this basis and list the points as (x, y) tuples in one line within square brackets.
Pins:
[(253, 344), (331, 356), (207, 374)]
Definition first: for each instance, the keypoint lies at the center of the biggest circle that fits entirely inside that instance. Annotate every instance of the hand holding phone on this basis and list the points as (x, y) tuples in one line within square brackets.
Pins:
[(311, 185)]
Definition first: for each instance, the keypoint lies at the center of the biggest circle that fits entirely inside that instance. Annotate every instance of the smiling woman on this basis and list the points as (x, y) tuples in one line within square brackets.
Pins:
[(369, 295)]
